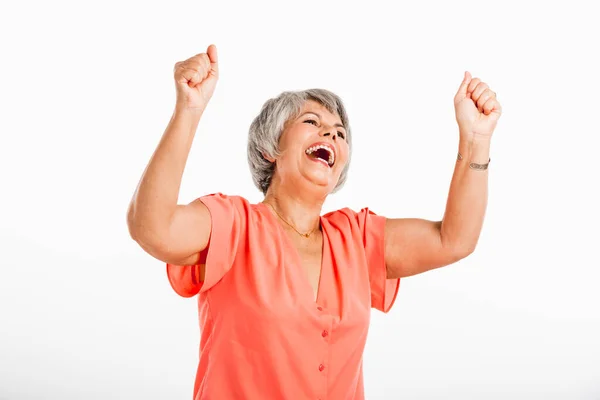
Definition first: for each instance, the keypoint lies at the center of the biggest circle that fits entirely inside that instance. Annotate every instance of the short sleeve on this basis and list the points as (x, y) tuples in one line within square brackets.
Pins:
[(228, 218), (383, 290)]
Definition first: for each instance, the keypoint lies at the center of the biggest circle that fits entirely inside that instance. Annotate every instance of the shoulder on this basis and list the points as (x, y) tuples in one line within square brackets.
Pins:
[(224, 206), (347, 216), (224, 198), (350, 222), (221, 200)]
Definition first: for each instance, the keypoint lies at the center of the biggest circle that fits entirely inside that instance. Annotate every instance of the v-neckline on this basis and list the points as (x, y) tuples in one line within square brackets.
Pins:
[(315, 298)]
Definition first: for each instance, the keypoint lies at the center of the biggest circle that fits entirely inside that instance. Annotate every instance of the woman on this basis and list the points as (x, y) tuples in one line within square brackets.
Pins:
[(284, 294)]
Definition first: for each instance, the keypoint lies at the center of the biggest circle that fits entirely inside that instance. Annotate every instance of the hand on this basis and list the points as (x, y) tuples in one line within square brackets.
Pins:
[(196, 79), (477, 109)]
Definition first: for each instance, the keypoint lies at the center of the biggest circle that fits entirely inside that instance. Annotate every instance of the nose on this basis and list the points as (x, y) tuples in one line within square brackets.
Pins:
[(328, 133)]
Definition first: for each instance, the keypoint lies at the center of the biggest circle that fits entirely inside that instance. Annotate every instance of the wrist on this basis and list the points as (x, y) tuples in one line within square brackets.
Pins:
[(475, 149), (470, 136), (185, 121), (187, 113)]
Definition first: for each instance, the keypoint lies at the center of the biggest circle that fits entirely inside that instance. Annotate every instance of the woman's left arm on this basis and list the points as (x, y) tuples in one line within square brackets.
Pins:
[(412, 245)]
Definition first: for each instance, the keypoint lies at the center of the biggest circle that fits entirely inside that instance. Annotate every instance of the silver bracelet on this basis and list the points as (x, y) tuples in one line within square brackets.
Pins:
[(478, 167)]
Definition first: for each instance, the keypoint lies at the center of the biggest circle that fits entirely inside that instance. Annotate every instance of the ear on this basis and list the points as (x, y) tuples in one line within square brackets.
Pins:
[(269, 159)]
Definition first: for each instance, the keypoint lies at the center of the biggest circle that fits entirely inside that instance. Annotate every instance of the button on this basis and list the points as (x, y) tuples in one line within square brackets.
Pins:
[(320, 308), (321, 367), (324, 333)]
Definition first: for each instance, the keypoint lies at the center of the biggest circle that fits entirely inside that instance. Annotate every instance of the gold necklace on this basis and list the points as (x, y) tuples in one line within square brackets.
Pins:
[(306, 235)]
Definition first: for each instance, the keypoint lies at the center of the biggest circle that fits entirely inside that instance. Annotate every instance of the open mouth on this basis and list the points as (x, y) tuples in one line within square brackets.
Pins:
[(321, 153)]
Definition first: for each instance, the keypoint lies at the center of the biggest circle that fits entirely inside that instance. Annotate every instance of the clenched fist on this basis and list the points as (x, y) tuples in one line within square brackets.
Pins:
[(196, 79), (477, 108)]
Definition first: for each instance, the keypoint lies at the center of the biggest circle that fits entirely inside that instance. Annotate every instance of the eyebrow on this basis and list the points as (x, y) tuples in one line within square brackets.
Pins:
[(320, 117)]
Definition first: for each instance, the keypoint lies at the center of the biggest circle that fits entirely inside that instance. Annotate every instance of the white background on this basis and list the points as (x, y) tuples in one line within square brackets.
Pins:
[(87, 90)]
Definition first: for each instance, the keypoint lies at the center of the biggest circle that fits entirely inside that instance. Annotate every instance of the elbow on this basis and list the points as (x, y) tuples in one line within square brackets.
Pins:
[(151, 235), (463, 251), (133, 225), (142, 230), (458, 249), (148, 239)]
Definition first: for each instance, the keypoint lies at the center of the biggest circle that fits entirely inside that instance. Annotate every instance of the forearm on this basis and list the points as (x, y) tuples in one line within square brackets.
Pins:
[(467, 198), (155, 198)]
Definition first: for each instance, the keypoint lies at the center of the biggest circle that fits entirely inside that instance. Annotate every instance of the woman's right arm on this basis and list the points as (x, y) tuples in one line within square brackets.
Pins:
[(173, 233)]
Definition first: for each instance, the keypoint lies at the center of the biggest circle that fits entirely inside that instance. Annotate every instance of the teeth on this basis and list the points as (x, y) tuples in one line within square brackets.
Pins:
[(321, 146)]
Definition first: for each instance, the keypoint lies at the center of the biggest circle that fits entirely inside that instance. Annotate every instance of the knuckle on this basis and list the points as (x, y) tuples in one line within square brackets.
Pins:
[(185, 65), (205, 60), (193, 65), (473, 84)]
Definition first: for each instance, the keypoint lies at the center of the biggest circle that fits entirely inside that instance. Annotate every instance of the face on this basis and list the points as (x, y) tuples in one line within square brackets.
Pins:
[(313, 148)]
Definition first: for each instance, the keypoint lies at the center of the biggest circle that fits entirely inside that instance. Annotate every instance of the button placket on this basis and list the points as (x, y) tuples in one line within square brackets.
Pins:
[(326, 324)]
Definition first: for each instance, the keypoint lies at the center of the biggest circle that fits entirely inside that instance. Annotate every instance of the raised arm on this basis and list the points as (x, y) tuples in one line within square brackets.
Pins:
[(416, 245), (170, 232)]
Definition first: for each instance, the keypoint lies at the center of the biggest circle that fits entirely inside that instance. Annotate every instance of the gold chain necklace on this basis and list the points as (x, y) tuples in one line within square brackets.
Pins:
[(306, 235)]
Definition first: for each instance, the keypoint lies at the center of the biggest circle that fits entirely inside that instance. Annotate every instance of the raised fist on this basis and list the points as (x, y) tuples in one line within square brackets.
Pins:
[(476, 107), (196, 79)]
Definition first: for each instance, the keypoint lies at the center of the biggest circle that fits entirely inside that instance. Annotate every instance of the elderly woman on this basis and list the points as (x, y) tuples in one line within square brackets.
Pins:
[(284, 293)]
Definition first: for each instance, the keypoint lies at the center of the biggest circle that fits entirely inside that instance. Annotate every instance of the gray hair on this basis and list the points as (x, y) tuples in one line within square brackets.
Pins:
[(267, 128)]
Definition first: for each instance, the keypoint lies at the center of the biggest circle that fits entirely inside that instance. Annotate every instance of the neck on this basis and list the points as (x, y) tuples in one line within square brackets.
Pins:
[(302, 212)]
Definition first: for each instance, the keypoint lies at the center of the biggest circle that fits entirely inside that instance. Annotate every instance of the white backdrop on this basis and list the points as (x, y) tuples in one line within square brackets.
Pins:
[(86, 91)]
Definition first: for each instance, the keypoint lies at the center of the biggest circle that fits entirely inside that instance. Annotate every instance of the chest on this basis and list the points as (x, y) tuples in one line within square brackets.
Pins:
[(283, 280), (310, 256)]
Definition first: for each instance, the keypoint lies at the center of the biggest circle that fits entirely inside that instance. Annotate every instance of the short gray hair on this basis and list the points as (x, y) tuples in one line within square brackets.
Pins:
[(267, 127)]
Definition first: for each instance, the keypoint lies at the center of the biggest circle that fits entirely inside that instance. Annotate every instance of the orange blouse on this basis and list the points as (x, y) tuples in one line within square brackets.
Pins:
[(263, 336)]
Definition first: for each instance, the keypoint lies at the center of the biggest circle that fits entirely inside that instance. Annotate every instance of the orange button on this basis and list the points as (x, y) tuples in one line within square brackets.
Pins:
[(321, 367), (324, 333)]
